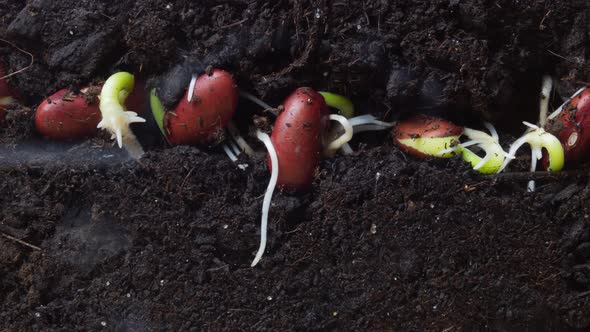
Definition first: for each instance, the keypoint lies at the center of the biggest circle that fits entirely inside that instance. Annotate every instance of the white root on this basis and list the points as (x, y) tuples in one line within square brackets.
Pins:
[(336, 144), (367, 119), (255, 100), (492, 130), (512, 152), (544, 102), (235, 134), (235, 148), (347, 150), (191, 88), (268, 195), (229, 153), (560, 108), (358, 124)]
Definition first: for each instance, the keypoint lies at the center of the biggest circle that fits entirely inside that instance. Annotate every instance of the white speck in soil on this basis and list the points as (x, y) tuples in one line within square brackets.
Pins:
[(432, 206), (358, 27), (318, 13), (128, 295), (373, 229), (269, 298), (377, 176), (103, 323), (162, 282), (108, 283), (225, 226), (169, 6), (37, 315)]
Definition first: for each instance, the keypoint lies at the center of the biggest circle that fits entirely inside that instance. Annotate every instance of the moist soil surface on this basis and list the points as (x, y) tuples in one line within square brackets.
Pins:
[(91, 239)]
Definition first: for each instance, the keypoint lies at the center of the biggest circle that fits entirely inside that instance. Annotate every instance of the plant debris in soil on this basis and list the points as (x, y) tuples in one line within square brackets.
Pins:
[(90, 239)]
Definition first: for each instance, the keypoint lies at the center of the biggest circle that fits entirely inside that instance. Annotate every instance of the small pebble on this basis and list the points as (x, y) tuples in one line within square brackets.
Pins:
[(373, 229), (318, 13), (269, 298), (103, 323)]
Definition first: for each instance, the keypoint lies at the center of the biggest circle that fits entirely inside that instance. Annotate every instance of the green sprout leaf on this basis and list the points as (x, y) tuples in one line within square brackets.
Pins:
[(157, 110), (341, 103)]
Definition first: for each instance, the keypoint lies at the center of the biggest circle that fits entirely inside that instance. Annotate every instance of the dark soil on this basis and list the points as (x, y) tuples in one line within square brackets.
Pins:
[(90, 239)]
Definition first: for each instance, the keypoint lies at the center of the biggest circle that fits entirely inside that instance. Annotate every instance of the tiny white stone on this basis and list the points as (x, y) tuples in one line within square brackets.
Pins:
[(108, 283), (103, 323), (37, 315), (162, 282), (432, 206), (318, 13), (71, 32), (225, 226), (128, 295), (373, 229), (269, 298), (358, 27)]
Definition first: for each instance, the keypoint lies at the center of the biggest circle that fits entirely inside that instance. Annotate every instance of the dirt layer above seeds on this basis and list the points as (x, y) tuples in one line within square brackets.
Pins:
[(380, 242)]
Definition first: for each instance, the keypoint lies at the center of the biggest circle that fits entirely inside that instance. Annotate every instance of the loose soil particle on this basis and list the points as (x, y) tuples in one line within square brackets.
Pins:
[(381, 242)]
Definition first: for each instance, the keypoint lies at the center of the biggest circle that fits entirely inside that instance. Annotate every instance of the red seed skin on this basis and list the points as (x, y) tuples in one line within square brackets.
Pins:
[(425, 126), (67, 116), (201, 121), (297, 138), (574, 118)]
